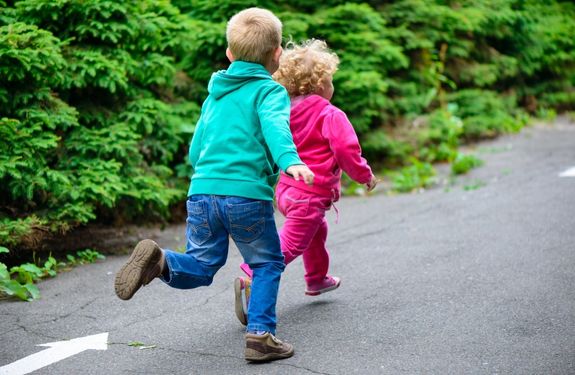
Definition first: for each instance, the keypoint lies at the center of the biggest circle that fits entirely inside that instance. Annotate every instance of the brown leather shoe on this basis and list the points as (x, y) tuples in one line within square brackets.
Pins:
[(261, 348), (146, 263)]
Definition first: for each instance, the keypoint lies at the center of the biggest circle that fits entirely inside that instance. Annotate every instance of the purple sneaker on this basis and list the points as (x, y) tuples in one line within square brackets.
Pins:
[(328, 284), (247, 270)]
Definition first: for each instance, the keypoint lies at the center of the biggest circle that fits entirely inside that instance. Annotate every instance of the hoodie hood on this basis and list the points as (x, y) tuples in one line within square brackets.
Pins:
[(305, 110), (326, 142), (237, 75)]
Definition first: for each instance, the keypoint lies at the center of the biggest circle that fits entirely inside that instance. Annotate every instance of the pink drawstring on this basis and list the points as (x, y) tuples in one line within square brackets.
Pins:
[(334, 198), (336, 213)]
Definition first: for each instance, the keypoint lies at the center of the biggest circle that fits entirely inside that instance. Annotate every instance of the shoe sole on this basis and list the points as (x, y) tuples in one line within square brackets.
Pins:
[(255, 356), (322, 291), (239, 306), (130, 277)]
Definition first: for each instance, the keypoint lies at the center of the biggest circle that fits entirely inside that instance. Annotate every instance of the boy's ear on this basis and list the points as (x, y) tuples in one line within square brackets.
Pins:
[(277, 54), (230, 55)]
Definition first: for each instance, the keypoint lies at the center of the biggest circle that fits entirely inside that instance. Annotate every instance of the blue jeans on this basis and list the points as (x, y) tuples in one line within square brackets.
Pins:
[(212, 219)]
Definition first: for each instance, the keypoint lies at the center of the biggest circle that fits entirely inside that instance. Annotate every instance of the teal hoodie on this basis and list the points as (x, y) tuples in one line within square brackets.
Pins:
[(242, 135)]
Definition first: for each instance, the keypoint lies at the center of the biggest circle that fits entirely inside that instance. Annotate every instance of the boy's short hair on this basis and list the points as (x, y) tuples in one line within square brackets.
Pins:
[(253, 35), (305, 67)]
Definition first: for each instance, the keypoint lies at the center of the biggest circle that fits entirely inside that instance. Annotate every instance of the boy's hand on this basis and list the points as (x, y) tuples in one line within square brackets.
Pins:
[(301, 171), (372, 183)]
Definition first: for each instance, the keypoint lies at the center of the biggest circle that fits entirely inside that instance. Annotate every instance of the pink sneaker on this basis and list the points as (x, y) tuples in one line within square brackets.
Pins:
[(242, 291), (328, 284), (247, 270)]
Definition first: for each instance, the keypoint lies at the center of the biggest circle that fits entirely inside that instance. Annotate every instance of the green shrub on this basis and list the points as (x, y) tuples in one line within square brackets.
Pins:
[(99, 99), (464, 163), (418, 175), (91, 124), (377, 144), (485, 114), (440, 138), (20, 281)]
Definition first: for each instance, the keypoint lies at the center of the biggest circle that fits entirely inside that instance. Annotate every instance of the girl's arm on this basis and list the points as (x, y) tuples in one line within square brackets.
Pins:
[(345, 146)]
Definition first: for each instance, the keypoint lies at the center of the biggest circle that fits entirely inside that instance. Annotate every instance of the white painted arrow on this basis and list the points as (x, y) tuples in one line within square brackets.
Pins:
[(568, 173), (58, 351)]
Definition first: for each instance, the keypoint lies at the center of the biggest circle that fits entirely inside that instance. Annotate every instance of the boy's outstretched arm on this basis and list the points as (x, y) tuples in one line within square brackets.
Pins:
[(301, 171)]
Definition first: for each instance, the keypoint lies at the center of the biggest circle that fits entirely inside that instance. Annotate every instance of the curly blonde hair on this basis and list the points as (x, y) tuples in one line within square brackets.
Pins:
[(304, 68)]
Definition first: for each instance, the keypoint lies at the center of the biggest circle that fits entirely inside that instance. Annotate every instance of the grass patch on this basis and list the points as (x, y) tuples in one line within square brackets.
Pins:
[(477, 184), (464, 163), (419, 175)]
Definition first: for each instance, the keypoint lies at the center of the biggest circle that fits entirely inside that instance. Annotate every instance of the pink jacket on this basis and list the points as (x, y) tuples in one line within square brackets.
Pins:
[(327, 143)]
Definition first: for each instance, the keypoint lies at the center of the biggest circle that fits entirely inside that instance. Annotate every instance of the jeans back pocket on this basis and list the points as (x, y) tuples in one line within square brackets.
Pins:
[(198, 228), (247, 220)]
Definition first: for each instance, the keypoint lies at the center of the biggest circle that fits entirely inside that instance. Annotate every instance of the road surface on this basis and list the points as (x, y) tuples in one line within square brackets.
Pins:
[(474, 277)]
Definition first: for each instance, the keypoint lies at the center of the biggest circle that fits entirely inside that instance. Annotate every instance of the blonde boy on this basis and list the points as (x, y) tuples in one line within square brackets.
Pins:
[(241, 139)]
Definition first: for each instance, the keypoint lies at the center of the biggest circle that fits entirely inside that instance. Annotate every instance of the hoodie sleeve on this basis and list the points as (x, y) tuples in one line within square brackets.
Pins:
[(345, 146), (196, 144), (274, 112)]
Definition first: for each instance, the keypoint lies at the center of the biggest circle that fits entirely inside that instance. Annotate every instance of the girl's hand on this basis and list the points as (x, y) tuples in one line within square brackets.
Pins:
[(372, 183)]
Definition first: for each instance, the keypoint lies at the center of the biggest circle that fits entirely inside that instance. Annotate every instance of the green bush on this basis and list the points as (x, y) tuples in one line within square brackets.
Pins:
[(418, 175), (19, 281), (440, 138), (464, 163), (378, 144), (99, 99), (485, 114), (92, 126)]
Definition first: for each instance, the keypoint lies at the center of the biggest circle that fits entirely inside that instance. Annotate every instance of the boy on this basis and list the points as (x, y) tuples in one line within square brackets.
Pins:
[(327, 142), (241, 138)]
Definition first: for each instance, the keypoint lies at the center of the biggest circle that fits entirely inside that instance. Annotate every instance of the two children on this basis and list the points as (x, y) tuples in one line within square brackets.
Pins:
[(241, 137), (327, 143)]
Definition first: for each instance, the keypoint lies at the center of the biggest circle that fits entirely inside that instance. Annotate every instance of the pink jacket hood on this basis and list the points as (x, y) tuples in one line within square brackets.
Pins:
[(327, 143)]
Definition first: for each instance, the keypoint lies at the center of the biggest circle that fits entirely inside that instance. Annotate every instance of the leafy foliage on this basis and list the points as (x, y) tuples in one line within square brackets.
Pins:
[(414, 177), (92, 120), (19, 281), (464, 163), (98, 99)]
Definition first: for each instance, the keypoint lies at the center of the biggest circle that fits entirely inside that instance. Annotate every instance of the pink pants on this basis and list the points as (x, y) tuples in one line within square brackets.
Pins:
[(305, 230)]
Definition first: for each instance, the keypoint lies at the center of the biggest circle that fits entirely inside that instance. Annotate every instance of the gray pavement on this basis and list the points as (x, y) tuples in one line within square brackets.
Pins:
[(449, 281)]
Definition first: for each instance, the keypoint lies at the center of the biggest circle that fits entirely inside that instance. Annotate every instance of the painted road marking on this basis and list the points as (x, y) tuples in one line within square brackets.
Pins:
[(568, 173), (58, 351)]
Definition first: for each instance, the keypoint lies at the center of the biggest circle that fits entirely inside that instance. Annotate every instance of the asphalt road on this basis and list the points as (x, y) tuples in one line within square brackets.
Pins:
[(450, 281)]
